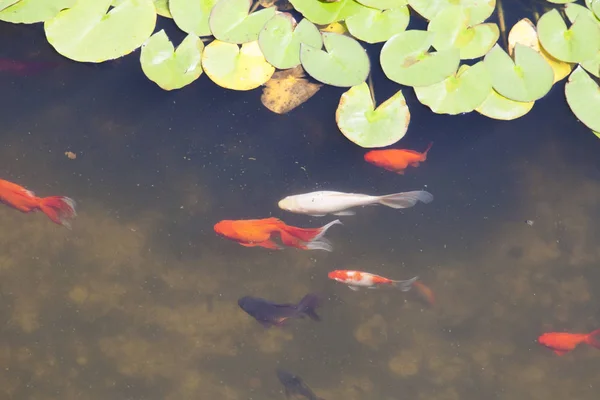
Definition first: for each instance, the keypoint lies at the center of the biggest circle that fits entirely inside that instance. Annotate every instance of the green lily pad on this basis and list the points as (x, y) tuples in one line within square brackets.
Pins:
[(452, 29), (6, 3), (191, 16), (497, 106), (583, 96), (479, 10), (236, 68), (162, 8), (169, 68), (383, 4), (87, 33), (406, 59), (32, 11), (527, 78), (344, 64), (320, 12), (280, 40), (560, 1), (579, 43), (230, 22), (367, 126), (594, 6), (592, 66), (374, 26), (458, 94)]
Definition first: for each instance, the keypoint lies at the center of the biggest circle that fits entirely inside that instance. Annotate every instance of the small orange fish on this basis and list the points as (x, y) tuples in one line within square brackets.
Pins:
[(357, 279), (396, 160), (59, 209), (562, 343), (259, 232)]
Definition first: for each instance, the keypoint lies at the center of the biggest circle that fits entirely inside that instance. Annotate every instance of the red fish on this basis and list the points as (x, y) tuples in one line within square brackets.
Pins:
[(59, 209), (562, 343), (396, 160), (260, 232)]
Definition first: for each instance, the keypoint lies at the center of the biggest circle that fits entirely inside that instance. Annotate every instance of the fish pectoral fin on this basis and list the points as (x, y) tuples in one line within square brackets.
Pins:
[(317, 215), (372, 287), (354, 288), (560, 352), (345, 212)]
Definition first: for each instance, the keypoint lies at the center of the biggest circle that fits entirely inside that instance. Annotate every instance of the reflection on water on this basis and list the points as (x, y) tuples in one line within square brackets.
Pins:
[(139, 300)]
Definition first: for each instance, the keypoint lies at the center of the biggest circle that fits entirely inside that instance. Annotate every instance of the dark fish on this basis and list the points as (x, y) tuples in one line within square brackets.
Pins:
[(269, 314), (294, 385)]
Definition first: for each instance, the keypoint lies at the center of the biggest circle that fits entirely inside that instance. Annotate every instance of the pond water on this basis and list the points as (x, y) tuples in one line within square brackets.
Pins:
[(139, 299)]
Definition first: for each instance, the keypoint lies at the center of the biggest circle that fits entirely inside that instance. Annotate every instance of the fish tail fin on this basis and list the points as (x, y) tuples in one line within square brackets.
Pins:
[(308, 306), (405, 199), (425, 292), (312, 238), (593, 339), (59, 209), (427, 151), (406, 285)]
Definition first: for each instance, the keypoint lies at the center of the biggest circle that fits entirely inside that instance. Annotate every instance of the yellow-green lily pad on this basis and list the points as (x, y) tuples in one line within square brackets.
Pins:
[(583, 96), (373, 26), (367, 126), (32, 11), (576, 44), (594, 6), (230, 22), (280, 40), (6, 3), (406, 59), (527, 78), (452, 29), (479, 10), (383, 4), (169, 68), (191, 16), (499, 107), (320, 12), (87, 33), (236, 68), (162, 8), (459, 93), (344, 63)]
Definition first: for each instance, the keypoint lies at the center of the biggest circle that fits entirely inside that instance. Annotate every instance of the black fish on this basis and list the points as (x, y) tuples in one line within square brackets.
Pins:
[(269, 314), (294, 385)]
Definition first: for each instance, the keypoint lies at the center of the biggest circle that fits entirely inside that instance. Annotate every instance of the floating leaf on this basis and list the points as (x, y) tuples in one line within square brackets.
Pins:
[(452, 29), (320, 12), (169, 68), (368, 127), (479, 10), (287, 90), (233, 68), (524, 32), (280, 40), (560, 1), (527, 78), (344, 64), (579, 43), (374, 26), (497, 106), (406, 59), (162, 8), (32, 11), (457, 94), (383, 4), (230, 22), (6, 3), (583, 96), (87, 33), (191, 16), (334, 27)]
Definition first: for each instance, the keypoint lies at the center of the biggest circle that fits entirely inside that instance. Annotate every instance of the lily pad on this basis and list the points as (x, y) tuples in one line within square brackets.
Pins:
[(452, 29), (497, 106), (334, 27), (457, 94), (560, 1), (367, 126), (230, 22), (583, 96), (320, 12), (383, 4), (32, 11), (162, 8), (280, 40), (527, 78), (374, 26), (236, 68), (524, 32), (169, 68), (479, 10), (191, 16), (6, 3), (406, 59), (579, 43), (287, 90), (87, 33), (344, 64)]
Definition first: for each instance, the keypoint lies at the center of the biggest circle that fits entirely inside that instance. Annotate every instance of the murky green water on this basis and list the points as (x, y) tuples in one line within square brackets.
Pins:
[(138, 301)]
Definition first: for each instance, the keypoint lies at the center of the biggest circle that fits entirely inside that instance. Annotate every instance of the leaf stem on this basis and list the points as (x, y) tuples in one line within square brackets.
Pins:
[(372, 89), (502, 23)]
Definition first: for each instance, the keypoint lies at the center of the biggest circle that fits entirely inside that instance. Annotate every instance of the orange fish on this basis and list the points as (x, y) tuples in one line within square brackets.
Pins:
[(561, 342), (259, 232), (59, 209), (396, 160), (425, 292)]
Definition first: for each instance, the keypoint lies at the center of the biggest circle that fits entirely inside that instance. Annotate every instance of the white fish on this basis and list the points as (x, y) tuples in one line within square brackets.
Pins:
[(321, 203)]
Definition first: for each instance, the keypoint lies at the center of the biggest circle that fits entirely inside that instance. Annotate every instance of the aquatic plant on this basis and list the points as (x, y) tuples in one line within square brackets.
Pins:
[(248, 40)]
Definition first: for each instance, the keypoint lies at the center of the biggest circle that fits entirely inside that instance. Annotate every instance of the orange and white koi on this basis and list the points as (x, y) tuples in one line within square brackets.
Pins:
[(357, 279)]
